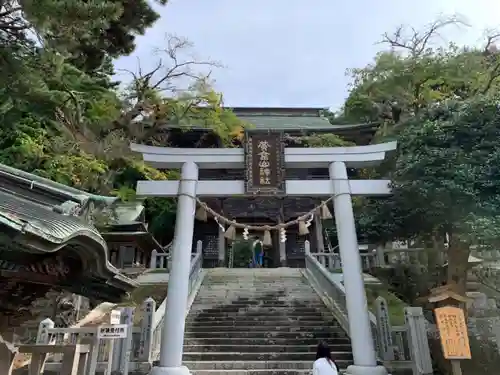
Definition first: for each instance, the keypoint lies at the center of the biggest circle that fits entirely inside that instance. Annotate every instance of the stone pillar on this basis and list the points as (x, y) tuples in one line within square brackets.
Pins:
[(318, 231), (222, 248), (178, 285), (365, 362)]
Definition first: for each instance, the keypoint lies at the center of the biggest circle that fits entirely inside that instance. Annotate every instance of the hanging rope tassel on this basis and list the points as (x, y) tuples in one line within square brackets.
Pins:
[(201, 214), (325, 212), (303, 228), (230, 233), (230, 257), (267, 241)]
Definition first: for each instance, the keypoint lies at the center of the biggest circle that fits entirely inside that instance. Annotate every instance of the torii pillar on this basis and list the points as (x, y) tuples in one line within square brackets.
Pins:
[(336, 159)]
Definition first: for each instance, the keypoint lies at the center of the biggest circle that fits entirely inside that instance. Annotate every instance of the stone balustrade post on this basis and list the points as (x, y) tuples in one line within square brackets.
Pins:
[(152, 262)]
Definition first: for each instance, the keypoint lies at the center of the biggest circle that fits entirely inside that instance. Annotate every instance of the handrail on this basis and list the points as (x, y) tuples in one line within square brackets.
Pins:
[(194, 282), (196, 262), (336, 297), (402, 344), (161, 259)]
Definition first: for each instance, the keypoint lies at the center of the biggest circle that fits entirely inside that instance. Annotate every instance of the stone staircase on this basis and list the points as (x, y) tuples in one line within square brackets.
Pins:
[(259, 322)]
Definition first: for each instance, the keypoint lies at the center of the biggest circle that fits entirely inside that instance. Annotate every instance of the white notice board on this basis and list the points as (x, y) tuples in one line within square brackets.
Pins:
[(112, 331)]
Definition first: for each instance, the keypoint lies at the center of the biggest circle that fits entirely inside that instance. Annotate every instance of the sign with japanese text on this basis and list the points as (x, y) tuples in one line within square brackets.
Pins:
[(264, 158), (112, 331), (453, 332)]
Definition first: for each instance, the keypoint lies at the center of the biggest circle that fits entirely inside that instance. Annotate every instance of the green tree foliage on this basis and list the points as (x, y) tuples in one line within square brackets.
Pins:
[(415, 73), (89, 31), (65, 120), (440, 103), (446, 179), (243, 253)]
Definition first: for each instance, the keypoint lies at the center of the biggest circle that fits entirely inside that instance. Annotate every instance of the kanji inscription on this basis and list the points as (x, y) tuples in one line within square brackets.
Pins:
[(453, 332), (264, 163)]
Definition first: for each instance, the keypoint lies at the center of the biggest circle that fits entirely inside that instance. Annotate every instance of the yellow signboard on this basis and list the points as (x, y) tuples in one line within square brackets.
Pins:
[(453, 332)]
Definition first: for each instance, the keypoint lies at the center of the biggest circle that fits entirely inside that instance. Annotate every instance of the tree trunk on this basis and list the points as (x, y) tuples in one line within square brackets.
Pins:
[(458, 265)]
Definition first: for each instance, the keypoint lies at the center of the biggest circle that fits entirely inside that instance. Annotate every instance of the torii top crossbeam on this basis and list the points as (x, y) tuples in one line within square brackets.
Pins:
[(234, 158)]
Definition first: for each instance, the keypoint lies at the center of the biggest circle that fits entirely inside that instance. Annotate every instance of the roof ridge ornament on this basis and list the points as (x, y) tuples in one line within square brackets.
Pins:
[(68, 208)]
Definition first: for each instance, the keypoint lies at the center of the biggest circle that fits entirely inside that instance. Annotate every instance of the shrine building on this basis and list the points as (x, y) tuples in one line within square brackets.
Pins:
[(48, 242)]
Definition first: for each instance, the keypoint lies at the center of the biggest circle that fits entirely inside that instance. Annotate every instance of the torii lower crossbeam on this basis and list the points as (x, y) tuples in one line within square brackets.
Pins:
[(307, 188)]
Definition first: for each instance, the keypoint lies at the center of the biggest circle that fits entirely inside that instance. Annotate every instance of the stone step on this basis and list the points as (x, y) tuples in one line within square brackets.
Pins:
[(269, 276), (249, 273), (286, 281), (284, 322), (248, 365), (263, 348), (259, 285), (260, 282), (252, 296), (325, 333), (260, 293), (251, 289), (256, 308), (216, 303), (282, 301), (264, 356), (270, 319), (252, 372), (278, 341), (242, 314), (236, 297), (225, 302), (239, 275), (262, 328), (263, 280)]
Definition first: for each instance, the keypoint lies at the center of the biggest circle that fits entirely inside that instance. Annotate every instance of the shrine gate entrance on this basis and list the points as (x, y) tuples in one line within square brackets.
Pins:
[(265, 162)]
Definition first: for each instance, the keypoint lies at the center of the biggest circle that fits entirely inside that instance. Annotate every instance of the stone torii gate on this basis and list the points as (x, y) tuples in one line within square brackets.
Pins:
[(338, 186)]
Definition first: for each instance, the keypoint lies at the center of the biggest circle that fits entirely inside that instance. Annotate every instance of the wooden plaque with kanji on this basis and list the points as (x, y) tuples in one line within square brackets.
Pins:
[(453, 332)]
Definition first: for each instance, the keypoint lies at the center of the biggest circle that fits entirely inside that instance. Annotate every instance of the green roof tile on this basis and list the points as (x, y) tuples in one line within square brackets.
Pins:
[(31, 185), (287, 122)]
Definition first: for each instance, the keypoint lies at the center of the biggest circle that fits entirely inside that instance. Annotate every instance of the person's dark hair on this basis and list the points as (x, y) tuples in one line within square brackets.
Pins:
[(323, 351)]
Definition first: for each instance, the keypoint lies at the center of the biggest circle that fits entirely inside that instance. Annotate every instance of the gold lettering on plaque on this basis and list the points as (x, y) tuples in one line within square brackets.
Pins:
[(264, 164)]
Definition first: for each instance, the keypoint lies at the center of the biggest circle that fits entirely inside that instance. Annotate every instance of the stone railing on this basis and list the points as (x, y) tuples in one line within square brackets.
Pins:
[(398, 347), (143, 327), (121, 355), (333, 263), (379, 257), (159, 260)]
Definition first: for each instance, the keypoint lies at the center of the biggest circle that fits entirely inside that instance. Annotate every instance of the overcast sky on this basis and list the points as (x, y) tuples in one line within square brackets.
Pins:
[(295, 52)]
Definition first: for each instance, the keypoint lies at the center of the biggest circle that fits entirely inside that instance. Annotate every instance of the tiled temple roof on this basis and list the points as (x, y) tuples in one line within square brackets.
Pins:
[(40, 218), (300, 120)]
